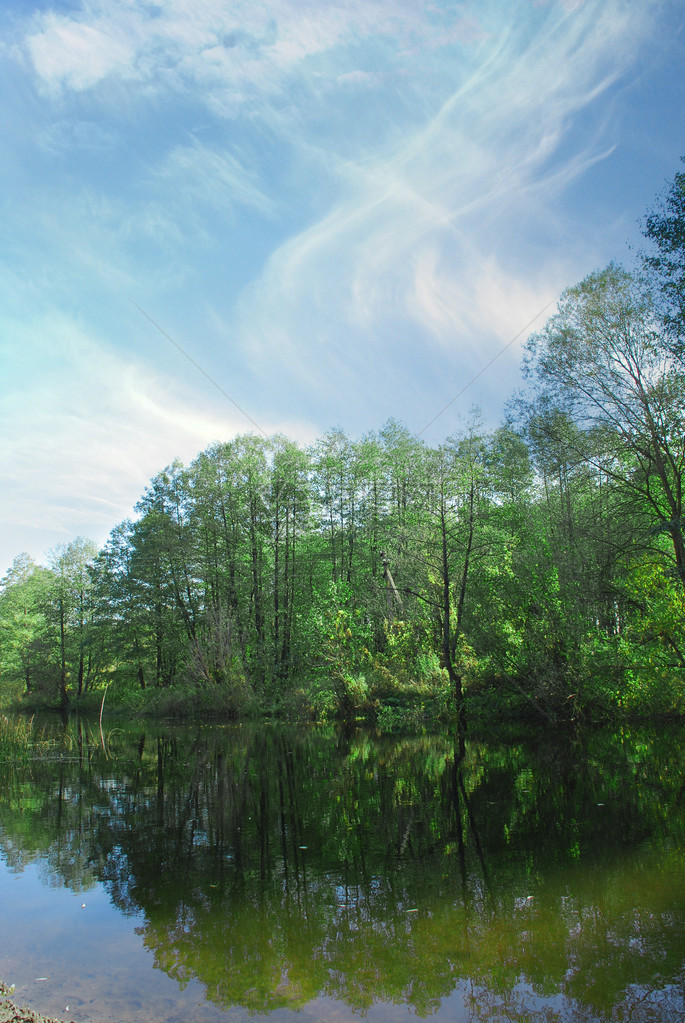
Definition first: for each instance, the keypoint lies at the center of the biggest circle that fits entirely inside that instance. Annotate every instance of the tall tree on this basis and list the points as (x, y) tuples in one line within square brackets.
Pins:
[(123, 624), (601, 359), (448, 538), (289, 504), (24, 630), (162, 563), (72, 611), (664, 228)]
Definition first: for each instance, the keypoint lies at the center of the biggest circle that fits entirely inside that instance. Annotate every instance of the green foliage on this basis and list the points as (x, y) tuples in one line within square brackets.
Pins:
[(653, 655), (541, 564), (20, 740), (259, 581), (339, 687), (185, 701), (664, 228)]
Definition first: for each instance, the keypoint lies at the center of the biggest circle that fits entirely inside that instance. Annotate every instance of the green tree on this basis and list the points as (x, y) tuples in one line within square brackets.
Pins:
[(664, 228), (163, 562), (123, 627), (448, 540), (24, 630), (601, 359), (71, 612), (290, 508)]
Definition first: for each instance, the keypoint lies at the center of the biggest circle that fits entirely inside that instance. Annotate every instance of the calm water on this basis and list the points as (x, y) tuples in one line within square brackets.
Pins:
[(212, 874)]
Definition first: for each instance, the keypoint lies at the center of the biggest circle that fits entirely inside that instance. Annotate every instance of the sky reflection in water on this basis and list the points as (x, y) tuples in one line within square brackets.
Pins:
[(235, 871)]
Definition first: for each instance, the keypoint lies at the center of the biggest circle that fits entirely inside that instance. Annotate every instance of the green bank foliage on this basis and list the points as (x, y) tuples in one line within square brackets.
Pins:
[(535, 569)]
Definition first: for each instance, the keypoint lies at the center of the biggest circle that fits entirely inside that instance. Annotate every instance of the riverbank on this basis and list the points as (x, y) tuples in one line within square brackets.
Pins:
[(11, 1013)]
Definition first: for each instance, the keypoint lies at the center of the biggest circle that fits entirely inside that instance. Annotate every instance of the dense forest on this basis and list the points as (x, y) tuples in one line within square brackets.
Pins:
[(537, 568)]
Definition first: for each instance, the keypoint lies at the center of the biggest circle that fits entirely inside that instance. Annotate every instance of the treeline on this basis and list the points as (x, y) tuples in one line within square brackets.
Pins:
[(539, 566)]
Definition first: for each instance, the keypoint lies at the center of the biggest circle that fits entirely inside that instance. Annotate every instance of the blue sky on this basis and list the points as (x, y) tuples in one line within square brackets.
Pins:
[(340, 210)]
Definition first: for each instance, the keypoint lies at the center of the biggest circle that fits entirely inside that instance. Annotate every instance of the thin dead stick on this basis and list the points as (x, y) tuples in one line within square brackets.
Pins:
[(102, 705)]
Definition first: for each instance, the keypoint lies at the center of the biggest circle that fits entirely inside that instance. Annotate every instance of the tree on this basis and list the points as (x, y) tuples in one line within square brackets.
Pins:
[(664, 227), (163, 563), (123, 627), (601, 360), (289, 505), (448, 539), (71, 609), (24, 633)]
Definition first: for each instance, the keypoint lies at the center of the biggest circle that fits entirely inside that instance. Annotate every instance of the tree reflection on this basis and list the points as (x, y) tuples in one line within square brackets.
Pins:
[(276, 865)]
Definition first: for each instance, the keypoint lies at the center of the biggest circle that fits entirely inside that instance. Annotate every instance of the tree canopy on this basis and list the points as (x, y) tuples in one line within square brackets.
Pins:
[(539, 566)]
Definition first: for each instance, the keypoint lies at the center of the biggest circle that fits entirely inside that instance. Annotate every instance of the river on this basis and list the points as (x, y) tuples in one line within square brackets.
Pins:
[(315, 873)]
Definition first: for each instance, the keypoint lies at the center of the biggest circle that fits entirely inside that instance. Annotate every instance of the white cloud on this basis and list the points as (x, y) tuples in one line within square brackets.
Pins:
[(77, 54), (379, 172), (427, 234), (200, 174), (234, 43), (81, 437), (483, 156)]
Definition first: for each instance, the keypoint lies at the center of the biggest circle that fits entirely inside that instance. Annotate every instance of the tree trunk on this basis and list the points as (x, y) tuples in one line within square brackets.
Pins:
[(64, 698), (448, 646)]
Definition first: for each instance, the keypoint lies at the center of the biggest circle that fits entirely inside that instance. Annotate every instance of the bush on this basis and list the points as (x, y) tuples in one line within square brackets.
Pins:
[(186, 700)]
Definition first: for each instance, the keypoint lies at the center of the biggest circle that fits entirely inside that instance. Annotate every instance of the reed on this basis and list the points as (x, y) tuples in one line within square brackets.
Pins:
[(19, 739)]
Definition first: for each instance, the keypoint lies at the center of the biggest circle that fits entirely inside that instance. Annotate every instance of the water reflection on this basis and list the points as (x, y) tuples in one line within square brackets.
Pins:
[(277, 865)]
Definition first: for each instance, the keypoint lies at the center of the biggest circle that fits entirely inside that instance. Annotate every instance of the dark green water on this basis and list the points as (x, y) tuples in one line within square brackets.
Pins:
[(225, 873)]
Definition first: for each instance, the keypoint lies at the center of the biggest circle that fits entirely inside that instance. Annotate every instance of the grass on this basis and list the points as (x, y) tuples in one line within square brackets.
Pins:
[(19, 740)]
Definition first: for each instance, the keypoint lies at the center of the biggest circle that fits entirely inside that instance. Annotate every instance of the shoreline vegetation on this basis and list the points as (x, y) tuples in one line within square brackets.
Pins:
[(534, 571), (10, 1012)]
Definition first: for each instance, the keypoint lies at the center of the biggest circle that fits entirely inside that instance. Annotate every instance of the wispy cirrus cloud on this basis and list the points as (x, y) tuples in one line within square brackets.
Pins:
[(200, 174), (211, 40), (474, 148), (341, 211), (421, 245), (88, 424)]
